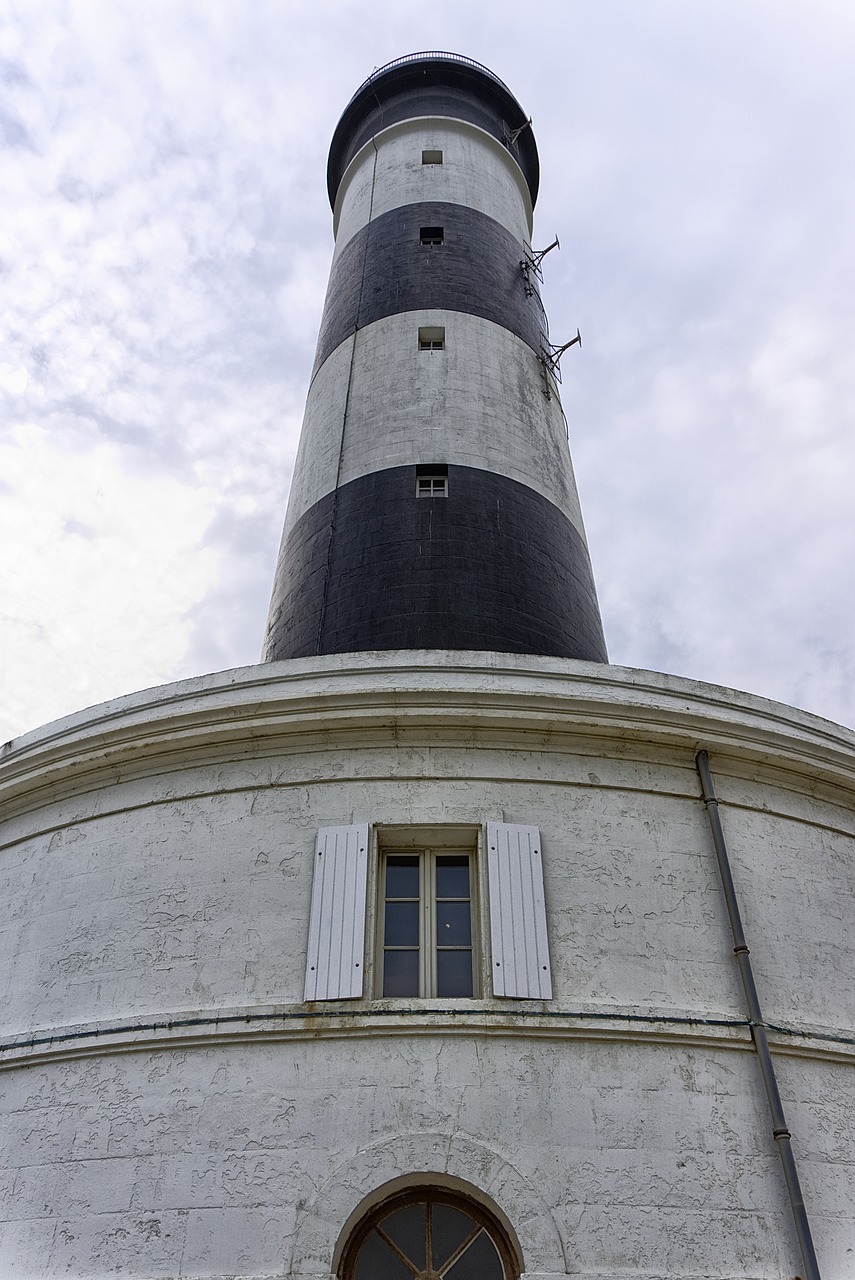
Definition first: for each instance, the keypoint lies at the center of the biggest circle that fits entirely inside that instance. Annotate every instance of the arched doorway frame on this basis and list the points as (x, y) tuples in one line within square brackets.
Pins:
[(325, 1219), (433, 1190)]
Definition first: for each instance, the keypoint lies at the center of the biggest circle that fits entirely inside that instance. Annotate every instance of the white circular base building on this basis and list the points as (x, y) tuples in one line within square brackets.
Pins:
[(175, 1105)]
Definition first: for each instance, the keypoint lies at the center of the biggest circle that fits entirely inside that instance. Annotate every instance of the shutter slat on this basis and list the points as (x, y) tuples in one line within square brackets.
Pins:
[(520, 948), (336, 944)]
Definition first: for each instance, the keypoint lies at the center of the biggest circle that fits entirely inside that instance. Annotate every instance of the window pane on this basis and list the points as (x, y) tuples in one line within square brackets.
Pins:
[(402, 876), (452, 877), (453, 973), (452, 924), (378, 1262), (431, 337), (402, 924), (480, 1262), (436, 487), (407, 1229), (450, 1229), (461, 1245), (401, 973)]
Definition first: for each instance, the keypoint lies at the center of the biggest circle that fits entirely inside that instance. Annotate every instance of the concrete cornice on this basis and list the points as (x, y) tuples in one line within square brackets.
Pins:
[(441, 696), (259, 1025)]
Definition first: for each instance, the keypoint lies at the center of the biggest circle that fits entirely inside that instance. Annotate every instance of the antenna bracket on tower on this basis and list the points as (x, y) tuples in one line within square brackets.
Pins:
[(550, 360), (511, 135), (530, 265)]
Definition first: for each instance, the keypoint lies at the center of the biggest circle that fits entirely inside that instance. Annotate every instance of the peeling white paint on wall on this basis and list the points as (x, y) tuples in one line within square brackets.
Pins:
[(156, 866)]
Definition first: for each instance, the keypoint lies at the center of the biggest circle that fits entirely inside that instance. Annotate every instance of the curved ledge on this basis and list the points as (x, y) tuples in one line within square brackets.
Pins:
[(371, 1020), (441, 692), (409, 58)]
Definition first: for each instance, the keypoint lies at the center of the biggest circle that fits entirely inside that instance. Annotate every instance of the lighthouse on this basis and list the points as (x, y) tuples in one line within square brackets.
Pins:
[(433, 944), (433, 504)]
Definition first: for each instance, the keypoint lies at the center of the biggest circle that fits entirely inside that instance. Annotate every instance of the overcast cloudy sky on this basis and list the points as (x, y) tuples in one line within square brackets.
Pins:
[(164, 246)]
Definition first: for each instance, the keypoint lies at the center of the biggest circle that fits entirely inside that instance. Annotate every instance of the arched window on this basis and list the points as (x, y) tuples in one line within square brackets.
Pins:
[(429, 1233)]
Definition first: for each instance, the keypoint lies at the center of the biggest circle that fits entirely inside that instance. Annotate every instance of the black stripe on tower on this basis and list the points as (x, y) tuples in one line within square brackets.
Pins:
[(384, 270), (494, 565)]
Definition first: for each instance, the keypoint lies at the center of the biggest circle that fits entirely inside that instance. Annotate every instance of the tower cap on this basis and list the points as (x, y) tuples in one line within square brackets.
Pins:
[(433, 83)]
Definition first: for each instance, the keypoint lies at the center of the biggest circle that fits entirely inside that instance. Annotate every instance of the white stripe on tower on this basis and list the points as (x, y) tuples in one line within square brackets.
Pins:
[(428, 364), (388, 173), (404, 405)]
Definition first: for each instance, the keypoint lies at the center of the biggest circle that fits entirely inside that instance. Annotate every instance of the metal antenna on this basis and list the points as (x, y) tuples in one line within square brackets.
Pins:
[(550, 360), (530, 264), (511, 138), (538, 257), (558, 352)]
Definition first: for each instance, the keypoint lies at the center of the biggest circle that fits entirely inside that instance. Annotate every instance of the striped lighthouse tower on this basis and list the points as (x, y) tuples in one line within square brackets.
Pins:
[(427, 953), (433, 503)]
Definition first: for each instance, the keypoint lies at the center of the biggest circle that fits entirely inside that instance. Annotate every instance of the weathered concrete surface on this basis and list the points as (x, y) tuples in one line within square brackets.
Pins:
[(401, 405), (477, 171), (155, 867), (647, 1160)]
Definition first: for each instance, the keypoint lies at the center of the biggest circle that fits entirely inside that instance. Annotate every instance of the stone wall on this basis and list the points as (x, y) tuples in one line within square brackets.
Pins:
[(171, 1106)]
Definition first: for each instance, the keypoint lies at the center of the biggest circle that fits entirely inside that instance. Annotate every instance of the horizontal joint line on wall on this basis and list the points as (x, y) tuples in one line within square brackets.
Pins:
[(531, 1017)]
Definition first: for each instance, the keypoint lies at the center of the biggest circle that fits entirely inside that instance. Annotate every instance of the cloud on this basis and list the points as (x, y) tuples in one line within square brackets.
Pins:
[(164, 248), (105, 563)]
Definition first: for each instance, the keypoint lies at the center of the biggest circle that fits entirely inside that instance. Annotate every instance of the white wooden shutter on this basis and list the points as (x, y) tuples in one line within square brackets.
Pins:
[(337, 923), (517, 913)]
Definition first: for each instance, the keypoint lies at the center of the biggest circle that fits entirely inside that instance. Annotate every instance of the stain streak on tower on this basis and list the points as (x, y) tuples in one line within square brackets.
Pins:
[(433, 504)]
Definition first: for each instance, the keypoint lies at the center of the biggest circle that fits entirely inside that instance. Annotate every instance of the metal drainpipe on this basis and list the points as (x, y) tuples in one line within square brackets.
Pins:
[(780, 1132)]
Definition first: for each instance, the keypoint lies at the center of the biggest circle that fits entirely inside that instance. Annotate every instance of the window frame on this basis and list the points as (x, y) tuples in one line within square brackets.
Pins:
[(432, 337), (432, 486), (510, 928), (434, 1195), (429, 843)]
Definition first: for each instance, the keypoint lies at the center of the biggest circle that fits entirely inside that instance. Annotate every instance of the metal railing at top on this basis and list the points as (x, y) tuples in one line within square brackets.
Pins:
[(420, 57)]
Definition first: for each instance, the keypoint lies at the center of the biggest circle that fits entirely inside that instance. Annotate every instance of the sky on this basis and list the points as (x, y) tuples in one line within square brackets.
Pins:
[(165, 240)]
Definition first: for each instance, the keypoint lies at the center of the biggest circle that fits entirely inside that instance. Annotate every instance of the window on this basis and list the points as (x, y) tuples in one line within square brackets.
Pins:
[(431, 888), (426, 923), (430, 1232), (431, 157), (432, 480), (431, 235), (431, 338), (431, 486)]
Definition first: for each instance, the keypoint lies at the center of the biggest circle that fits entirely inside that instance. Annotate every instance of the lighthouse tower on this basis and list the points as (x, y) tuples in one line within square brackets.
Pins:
[(433, 945), (433, 504)]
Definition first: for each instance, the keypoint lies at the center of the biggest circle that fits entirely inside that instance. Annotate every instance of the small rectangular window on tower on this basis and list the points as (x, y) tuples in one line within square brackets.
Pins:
[(431, 235), (431, 338), (432, 480), (431, 157), (431, 486)]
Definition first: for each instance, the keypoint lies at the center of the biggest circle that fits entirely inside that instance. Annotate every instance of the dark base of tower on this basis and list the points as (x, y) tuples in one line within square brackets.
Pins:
[(494, 565)]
